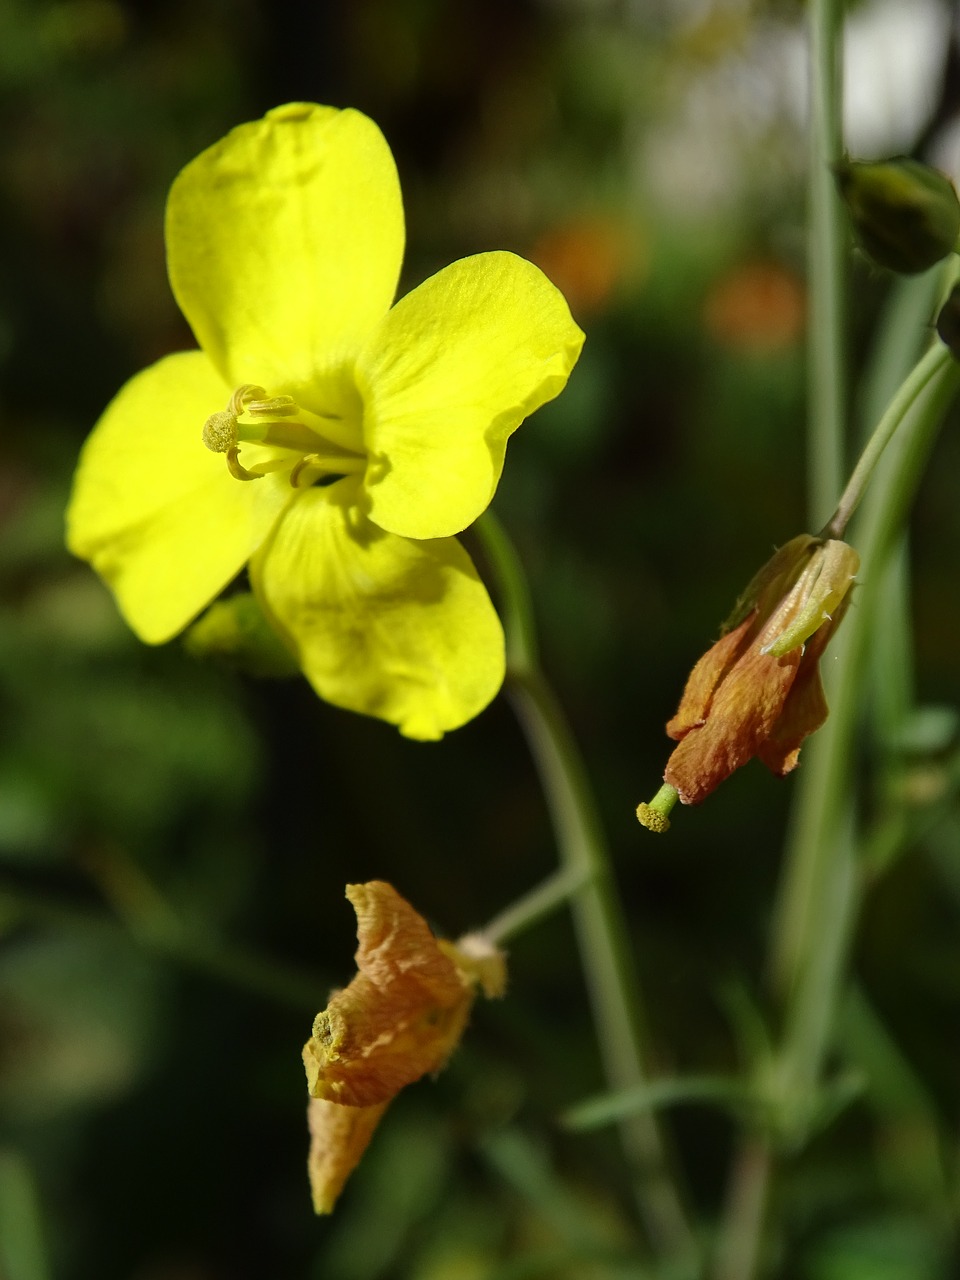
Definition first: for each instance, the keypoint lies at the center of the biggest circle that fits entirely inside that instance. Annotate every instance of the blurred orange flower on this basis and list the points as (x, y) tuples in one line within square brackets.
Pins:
[(757, 307), (588, 258)]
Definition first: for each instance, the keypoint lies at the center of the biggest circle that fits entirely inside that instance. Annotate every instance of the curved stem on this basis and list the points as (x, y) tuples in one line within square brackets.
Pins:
[(926, 369), (606, 955)]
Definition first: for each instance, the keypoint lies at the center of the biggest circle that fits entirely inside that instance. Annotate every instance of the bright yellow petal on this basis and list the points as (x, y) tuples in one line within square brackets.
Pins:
[(284, 244), (449, 373), (155, 512), (401, 630)]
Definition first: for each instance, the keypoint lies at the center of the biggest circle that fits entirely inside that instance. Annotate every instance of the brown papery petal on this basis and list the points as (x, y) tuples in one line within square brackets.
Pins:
[(338, 1138), (706, 676), (401, 1016), (744, 711)]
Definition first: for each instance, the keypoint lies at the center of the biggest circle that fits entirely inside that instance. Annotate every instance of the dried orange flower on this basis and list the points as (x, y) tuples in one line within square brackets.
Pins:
[(757, 691), (399, 1019)]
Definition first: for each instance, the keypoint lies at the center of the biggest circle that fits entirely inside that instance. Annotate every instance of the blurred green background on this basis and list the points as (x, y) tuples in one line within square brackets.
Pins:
[(175, 838)]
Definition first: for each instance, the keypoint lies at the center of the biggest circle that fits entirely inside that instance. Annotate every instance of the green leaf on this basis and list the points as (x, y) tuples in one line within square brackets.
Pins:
[(726, 1091)]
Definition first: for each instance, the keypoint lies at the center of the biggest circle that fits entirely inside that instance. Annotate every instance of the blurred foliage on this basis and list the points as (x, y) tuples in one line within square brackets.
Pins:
[(174, 837)]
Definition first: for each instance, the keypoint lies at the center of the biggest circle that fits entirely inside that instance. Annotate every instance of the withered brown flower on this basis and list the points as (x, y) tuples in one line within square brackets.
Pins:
[(757, 691), (400, 1018)]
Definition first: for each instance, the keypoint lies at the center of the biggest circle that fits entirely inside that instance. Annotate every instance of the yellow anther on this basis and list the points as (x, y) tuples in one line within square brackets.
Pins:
[(241, 397), (220, 431), (276, 406)]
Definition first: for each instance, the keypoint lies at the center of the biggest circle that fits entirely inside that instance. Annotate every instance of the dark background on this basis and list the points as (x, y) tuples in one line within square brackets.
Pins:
[(174, 839)]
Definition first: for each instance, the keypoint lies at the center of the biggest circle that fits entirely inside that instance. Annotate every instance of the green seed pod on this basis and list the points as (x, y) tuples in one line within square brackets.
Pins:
[(906, 215)]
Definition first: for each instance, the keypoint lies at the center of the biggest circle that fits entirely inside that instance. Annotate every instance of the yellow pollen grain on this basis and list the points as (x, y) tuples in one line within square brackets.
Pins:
[(220, 432), (652, 819)]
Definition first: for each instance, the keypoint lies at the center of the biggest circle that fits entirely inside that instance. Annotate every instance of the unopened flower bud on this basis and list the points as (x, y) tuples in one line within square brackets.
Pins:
[(236, 631), (906, 215)]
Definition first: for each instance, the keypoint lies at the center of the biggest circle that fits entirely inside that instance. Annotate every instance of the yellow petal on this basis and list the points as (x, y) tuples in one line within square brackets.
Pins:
[(450, 372), (284, 244), (156, 513), (392, 628)]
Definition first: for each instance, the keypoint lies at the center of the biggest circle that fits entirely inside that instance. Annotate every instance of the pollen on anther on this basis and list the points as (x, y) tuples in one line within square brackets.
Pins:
[(653, 819), (220, 432)]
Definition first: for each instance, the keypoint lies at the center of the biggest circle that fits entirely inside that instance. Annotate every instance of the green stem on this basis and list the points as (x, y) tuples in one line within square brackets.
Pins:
[(741, 1231), (923, 372), (825, 263), (544, 898), (820, 888), (523, 653), (606, 955), (738, 1254)]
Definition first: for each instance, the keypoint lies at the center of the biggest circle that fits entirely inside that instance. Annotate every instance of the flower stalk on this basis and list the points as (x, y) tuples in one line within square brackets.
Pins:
[(606, 955), (927, 368), (742, 1229), (826, 268)]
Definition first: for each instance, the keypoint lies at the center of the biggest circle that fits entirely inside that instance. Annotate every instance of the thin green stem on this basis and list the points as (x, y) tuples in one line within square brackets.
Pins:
[(742, 1227), (605, 950), (738, 1254), (826, 263), (523, 653), (926, 369), (820, 888), (556, 891), (728, 1092), (904, 322)]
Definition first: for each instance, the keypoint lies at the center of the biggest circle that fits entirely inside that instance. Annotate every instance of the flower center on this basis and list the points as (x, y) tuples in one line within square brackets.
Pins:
[(288, 437)]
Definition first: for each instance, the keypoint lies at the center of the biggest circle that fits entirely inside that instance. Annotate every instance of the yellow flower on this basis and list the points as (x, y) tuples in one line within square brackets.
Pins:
[(351, 439), (399, 1019)]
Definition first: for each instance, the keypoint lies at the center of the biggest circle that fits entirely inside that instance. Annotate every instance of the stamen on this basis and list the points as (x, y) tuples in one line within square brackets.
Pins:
[(332, 464), (236, 470), (220, 431), (279, 406), (253, 417), (238, 401), (308, 460)]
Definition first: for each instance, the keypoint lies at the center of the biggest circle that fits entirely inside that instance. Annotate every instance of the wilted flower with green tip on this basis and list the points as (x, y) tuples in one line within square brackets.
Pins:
[(332, 442), (757, 690)]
